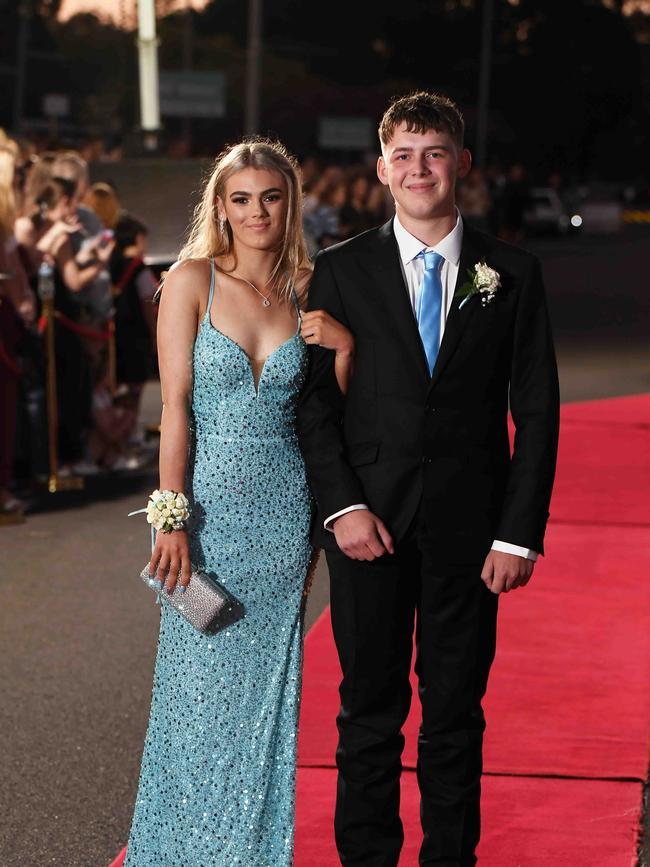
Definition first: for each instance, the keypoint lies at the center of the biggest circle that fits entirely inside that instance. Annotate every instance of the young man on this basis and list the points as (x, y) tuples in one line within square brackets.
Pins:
[(424, 514)]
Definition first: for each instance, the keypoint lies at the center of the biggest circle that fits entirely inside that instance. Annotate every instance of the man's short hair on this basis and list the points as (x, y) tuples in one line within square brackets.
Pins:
[(422, 111)]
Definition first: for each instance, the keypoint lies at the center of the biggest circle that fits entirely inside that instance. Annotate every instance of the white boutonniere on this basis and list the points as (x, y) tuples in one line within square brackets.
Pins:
[(483, 281)]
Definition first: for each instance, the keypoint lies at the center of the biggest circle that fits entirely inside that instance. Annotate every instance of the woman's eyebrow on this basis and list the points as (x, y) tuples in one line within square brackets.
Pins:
[(263, 193)]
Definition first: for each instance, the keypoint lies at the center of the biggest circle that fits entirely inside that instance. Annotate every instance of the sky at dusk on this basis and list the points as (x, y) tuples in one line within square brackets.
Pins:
[(115, 9)]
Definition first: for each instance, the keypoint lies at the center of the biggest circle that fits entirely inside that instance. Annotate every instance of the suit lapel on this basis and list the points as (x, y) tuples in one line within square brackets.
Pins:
[(457, 319), (391, 288)]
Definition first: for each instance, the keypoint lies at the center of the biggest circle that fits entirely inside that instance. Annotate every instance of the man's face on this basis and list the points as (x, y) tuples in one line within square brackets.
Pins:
[(421, 171)]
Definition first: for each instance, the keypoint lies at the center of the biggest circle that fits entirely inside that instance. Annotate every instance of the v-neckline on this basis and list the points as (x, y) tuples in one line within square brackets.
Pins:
[(245, 355)]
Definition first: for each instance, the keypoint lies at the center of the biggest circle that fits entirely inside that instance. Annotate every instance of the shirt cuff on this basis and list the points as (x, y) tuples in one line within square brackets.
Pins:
[(507, 548), (328, 521)]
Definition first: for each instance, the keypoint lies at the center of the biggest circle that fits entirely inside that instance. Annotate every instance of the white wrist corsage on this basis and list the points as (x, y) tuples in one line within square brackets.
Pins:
[(484, 281), (167, 510)]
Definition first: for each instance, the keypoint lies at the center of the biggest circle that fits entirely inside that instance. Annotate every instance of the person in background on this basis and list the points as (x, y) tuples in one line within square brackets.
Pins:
[(37, 173), (134, 287), (17, 311), (92, 149), (46, 233), (354, 215), (102, 199), (515, 200), (379, 204), (322, 223), (474, 200), (309, 171), (96, 298)]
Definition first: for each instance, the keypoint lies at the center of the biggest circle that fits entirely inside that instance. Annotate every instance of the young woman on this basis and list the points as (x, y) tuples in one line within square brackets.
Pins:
[(218, 772)]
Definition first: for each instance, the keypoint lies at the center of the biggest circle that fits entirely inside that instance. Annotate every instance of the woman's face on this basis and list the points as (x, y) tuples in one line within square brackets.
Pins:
[(63, 210), (339, 196), (255, 203), (360, 188)]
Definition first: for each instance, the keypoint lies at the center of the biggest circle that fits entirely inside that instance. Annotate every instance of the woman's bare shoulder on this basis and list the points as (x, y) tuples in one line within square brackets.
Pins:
[(186, 271), (186, 281)]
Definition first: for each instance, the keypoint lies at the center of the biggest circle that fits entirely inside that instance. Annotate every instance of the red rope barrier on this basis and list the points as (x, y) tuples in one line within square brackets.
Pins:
[(82, 330)]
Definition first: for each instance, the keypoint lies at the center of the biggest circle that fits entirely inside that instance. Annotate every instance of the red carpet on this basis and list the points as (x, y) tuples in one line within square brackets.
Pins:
[(572, 666), (568, 696), (528, 822)]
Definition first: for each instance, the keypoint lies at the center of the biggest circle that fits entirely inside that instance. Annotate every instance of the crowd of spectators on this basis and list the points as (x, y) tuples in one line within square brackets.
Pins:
[(341, 202), (55, 226)]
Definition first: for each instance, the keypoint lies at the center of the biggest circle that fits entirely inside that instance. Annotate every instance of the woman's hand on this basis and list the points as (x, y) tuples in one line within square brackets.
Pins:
[(101, 249), (62, 228), (170, 560), (321, 329)]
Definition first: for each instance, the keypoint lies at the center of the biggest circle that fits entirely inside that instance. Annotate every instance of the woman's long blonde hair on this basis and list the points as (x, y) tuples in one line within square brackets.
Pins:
[(206, 238), (8, 209)]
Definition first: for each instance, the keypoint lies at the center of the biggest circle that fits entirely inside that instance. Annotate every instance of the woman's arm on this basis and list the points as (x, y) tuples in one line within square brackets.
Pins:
[(319, 328), (74, 277), (60, 228), (177, 324)]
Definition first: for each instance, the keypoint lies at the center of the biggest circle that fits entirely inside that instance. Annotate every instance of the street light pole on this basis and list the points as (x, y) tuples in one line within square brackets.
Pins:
[(484, 83), (148, 67), (253, 54), (188, 51)]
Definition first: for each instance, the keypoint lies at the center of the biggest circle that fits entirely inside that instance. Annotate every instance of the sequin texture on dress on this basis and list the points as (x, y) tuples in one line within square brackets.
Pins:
[(217, 782)]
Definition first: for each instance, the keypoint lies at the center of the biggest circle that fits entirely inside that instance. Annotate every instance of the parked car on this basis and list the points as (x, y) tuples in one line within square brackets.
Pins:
[(548, 214)]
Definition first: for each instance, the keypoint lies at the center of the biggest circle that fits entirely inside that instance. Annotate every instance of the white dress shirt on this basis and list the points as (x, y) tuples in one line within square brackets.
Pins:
[(412, 263)]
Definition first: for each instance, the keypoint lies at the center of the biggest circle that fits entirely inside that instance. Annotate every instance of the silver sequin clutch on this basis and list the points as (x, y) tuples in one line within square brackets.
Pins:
[(205, 604)]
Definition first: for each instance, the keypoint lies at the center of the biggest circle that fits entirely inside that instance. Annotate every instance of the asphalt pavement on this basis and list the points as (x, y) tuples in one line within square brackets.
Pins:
[(78, 629)]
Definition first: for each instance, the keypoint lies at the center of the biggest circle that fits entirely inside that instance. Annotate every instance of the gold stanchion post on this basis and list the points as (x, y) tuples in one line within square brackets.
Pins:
[(46, 294), (112, 357)]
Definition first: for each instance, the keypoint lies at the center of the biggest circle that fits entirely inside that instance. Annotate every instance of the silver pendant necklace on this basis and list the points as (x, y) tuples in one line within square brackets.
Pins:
[(266, 299)]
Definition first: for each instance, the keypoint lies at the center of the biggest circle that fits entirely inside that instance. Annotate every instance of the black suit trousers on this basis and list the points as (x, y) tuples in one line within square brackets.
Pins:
[(376, 607)]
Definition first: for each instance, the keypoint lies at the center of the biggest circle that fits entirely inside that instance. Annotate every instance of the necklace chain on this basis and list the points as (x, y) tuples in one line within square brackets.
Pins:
[(266, 298)]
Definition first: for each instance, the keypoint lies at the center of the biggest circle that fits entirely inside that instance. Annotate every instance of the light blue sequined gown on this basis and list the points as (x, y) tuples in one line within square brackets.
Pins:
[(217, 784)]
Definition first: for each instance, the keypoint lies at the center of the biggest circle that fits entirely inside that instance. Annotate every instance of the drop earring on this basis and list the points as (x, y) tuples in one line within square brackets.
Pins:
[(222, 225)]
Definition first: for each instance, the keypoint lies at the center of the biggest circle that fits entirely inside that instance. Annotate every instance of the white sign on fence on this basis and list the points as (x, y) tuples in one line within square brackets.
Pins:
[(193, 94), (346, 133), (56, 105)]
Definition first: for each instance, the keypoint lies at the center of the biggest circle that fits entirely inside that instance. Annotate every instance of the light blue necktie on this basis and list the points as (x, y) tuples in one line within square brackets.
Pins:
[(429, 305)]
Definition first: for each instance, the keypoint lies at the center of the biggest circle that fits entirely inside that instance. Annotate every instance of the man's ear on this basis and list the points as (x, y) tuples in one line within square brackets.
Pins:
[(464, 163), (382, 174)]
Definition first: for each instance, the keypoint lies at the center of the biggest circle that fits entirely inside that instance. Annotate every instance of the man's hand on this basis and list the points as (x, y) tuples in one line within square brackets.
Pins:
[(362, 535), (504, 572)]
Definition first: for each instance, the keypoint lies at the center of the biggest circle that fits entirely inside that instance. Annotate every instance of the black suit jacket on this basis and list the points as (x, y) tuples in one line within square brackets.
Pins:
[(401, 439)]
